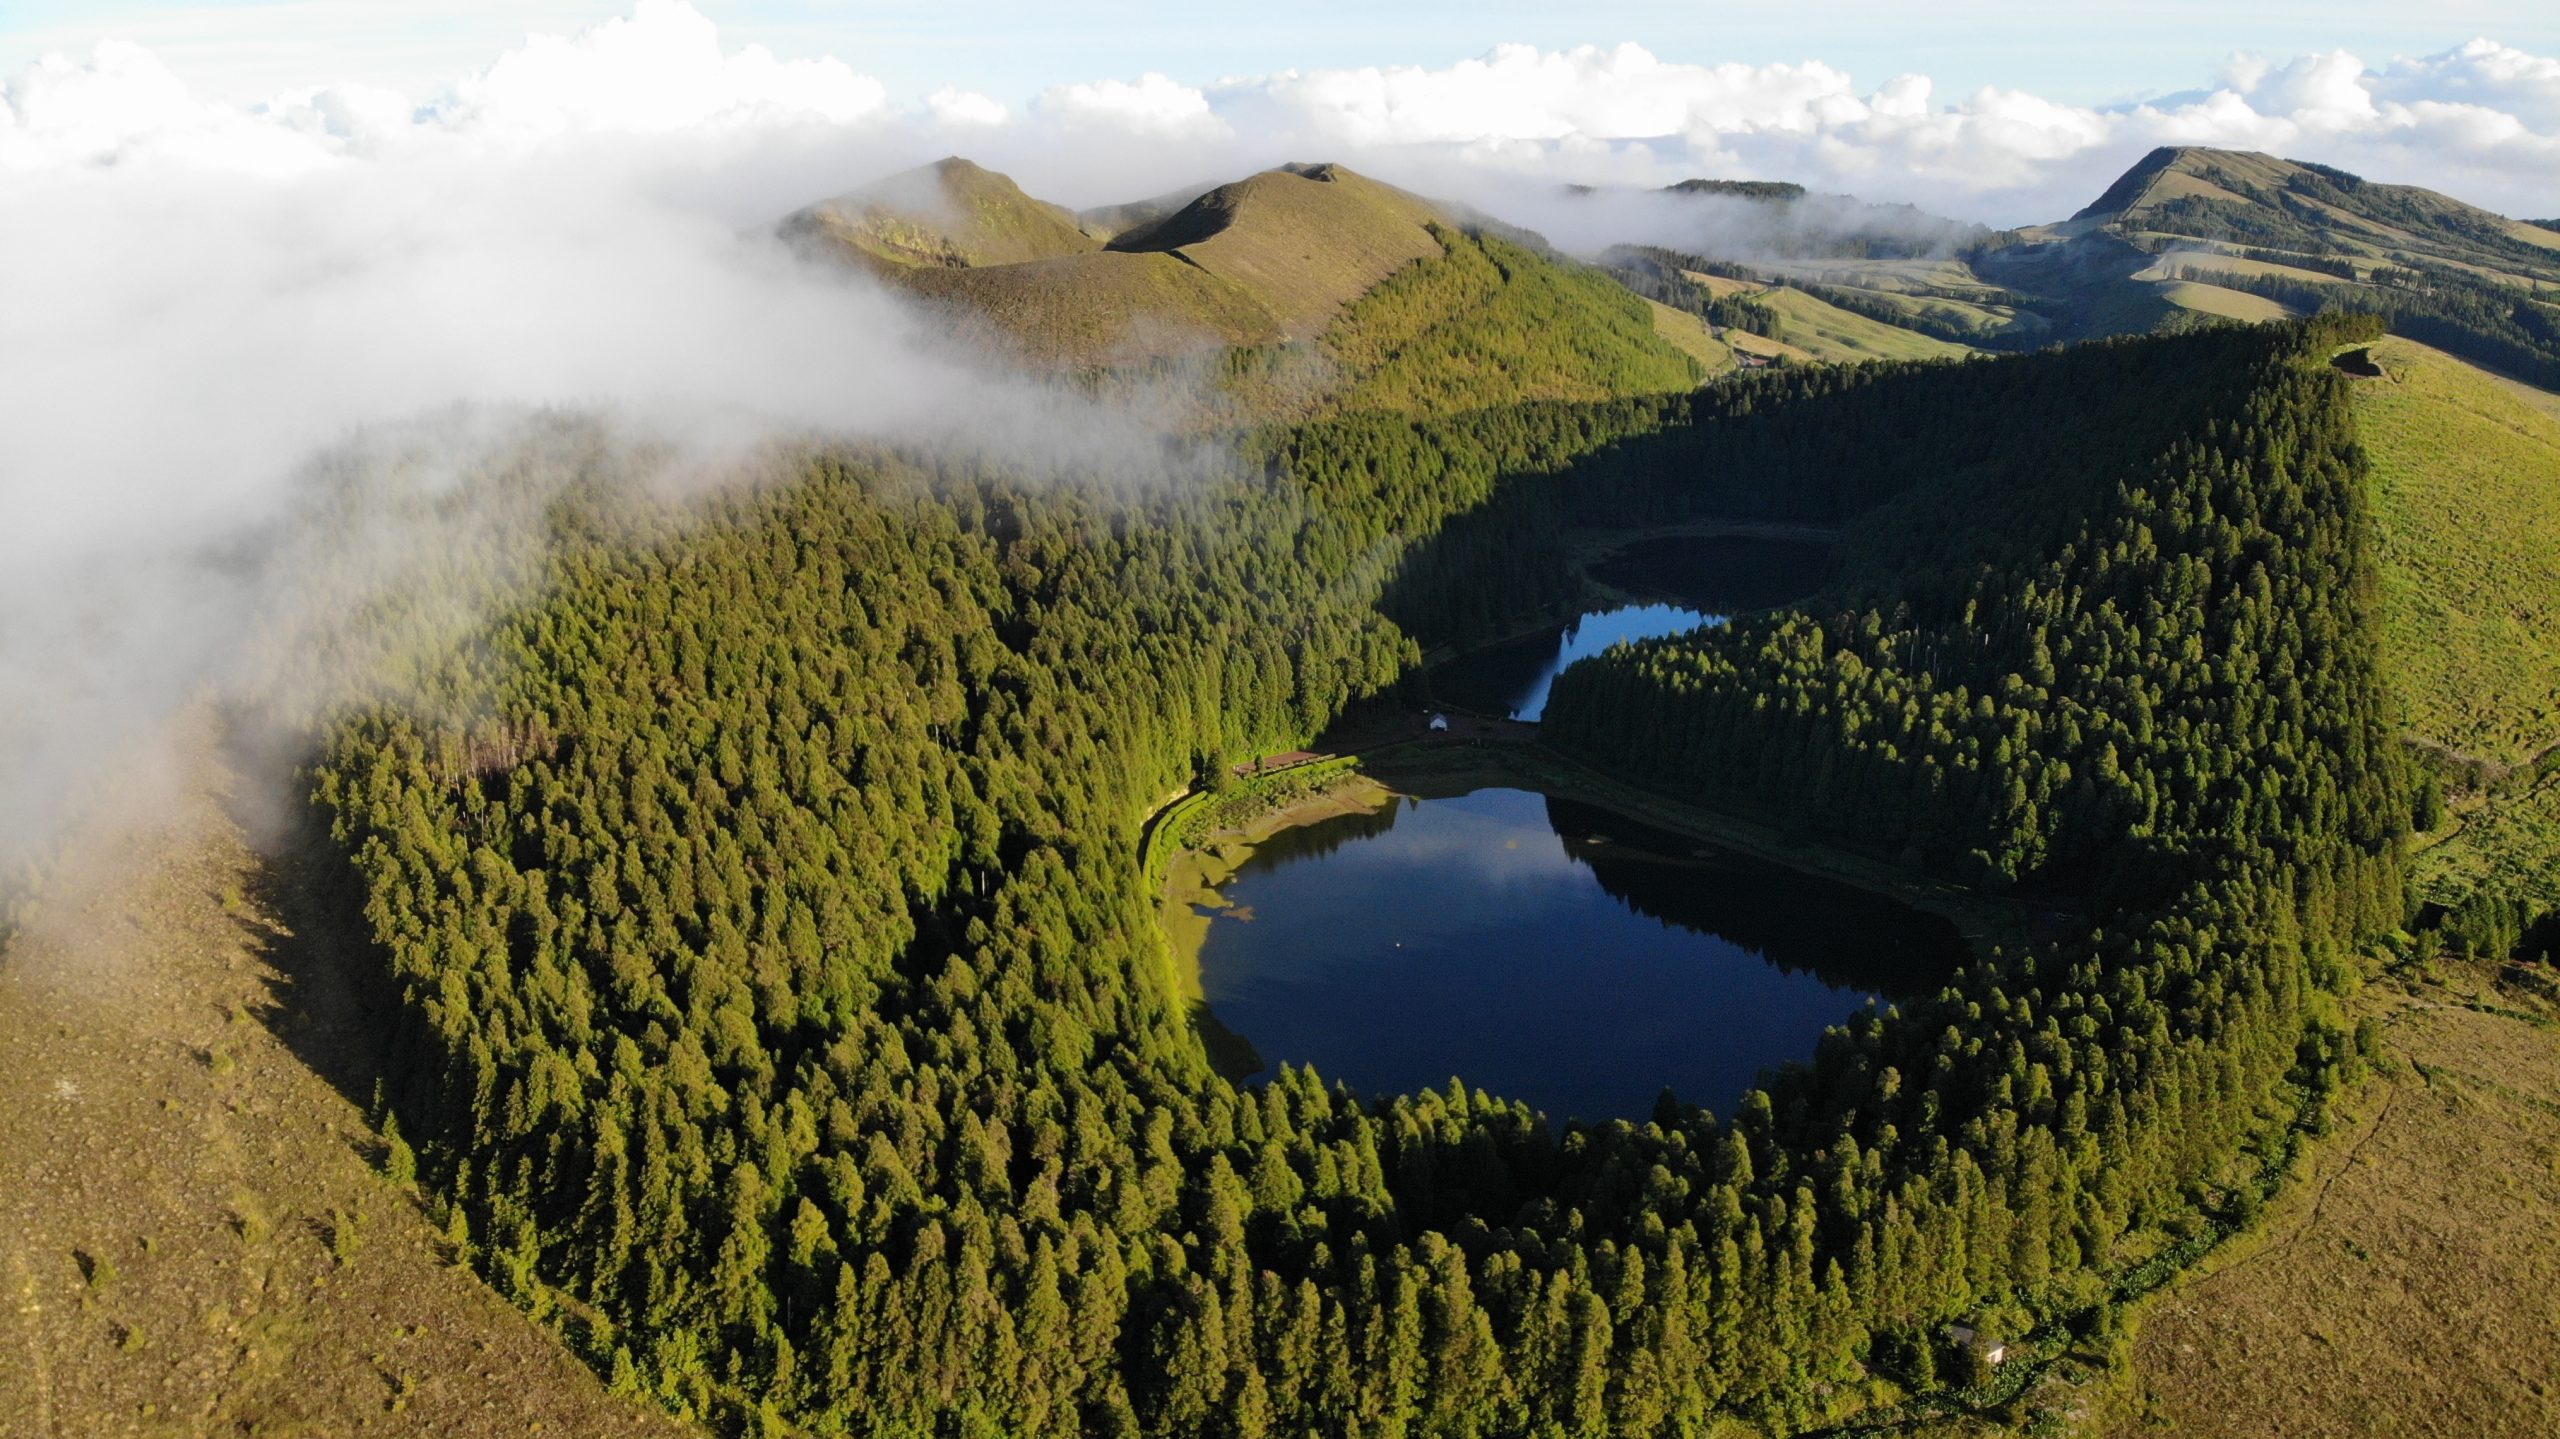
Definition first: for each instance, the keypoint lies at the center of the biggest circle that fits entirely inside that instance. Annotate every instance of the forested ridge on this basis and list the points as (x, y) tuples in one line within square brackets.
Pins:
[(781, 1008), (2493, 324)]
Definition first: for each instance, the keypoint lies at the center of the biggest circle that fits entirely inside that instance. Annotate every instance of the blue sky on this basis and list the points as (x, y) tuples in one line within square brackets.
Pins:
[(2080, 54)]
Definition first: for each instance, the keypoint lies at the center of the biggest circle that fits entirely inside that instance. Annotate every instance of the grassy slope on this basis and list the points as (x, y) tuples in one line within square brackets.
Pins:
[(2401, 1285), (2216, 300), (2408, 1280), (2085, 278), (1103, 308), (2467, 499), (1891, 277), (1688, 334), (1269, 259), (1946, 290), (1828, 332), (2370, 221), (1480, 323), (1488, 323), (1820, 331), (1979, 320), (192, 1241), (1724, 287), (2468, 494), (1304, 241), (949, 213), (2215, 263)]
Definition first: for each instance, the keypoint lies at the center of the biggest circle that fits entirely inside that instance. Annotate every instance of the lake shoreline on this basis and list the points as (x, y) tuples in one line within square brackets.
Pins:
[(1560, 948), (1382, 775)]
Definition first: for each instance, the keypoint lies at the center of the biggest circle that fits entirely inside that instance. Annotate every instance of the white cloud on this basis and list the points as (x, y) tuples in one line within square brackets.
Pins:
[(2480, 119), (204, 296), (356, 113), (208, 291), (2482, 73), (2484, 112), (954, 106), (123, 104), (1152, 105), (660, 70)]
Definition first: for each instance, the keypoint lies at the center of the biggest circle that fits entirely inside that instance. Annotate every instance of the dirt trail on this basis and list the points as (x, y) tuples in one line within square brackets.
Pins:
[(192, 1240)]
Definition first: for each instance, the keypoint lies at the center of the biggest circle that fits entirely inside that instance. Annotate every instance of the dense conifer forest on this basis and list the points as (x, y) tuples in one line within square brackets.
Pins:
[(781, 1009)]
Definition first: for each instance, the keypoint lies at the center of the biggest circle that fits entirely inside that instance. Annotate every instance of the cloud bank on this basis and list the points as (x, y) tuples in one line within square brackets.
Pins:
[(2481, 120), (203, 295), (222, 322)]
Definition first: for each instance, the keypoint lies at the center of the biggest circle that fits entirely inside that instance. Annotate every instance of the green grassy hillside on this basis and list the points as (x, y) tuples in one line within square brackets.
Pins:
[(1828, 332), (1752, 311), (1489, 323), (2309, 237), (1102, 309), (950, 213), (1940, 298), (1690, 336), (1271, 259), (2466, 472), (1304, 240), (2221, 301), (2187, 231), (2402, 1283), (2467, 488), (2245, 198), (1483, 323)]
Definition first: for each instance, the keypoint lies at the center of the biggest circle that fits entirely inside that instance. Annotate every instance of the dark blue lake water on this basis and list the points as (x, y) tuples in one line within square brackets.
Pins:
[(1512, 679), (1548, 951), (1700, 579)]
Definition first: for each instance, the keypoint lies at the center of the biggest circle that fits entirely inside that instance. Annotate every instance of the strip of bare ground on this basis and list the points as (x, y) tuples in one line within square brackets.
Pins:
[(192, 1238)]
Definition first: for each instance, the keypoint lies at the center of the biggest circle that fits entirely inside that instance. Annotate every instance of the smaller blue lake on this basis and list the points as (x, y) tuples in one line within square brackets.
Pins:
[(1696, 579), (1512, 679)]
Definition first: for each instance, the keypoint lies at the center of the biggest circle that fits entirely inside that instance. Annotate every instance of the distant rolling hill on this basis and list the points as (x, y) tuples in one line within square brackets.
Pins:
[(1267, 259), (2247, 235), (1773, 313), (2238, 198), (1266, 270), (2189, 235), (949, 214), (1301, 289), (1784, 221)]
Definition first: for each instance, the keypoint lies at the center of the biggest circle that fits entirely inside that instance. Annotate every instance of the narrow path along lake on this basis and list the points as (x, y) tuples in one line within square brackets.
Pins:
[(1546, 950)]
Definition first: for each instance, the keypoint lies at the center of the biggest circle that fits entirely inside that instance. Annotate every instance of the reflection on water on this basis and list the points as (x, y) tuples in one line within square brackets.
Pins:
[(1513, 679), (1709, 577), (1549, 951)]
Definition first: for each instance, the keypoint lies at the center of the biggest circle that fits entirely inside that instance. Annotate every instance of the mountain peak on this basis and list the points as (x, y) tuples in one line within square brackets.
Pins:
[(2261, 202), (952, 213)]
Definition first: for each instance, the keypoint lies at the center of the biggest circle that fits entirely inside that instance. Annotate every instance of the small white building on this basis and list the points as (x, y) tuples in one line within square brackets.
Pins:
[(1965, 1337), (1439, 722)]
